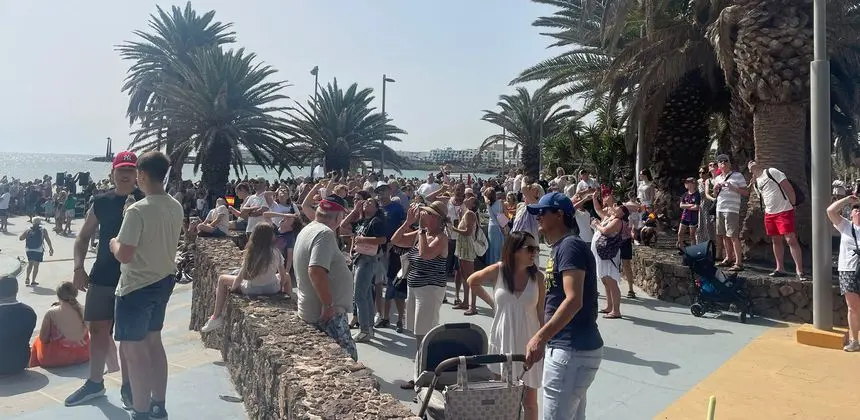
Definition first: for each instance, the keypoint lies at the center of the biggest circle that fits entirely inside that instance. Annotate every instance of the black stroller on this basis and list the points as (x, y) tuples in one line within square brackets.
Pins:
[(713, 290)]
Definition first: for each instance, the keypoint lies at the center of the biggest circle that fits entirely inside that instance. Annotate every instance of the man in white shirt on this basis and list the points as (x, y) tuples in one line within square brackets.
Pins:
[(586, 185), (428, 187), (777, 198), (729, 187), (255, 205), (217, 222), (518, 184), (5, 197)]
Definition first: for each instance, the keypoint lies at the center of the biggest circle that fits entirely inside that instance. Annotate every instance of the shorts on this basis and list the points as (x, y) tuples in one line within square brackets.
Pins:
[(241, 224), (100, 303), (217, 233), (849, 282), (258, 290), (627, 249), (422, 308), (690, 223), (779, 224), (727, 224), (4, 212), (142, 311), (35, 256)]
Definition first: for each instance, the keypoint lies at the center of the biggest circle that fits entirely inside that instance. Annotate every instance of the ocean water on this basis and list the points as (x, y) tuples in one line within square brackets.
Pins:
[(29, 166)]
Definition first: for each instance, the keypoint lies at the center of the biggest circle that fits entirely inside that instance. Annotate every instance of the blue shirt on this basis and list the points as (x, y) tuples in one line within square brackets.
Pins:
[(395, 216), (581, 333)]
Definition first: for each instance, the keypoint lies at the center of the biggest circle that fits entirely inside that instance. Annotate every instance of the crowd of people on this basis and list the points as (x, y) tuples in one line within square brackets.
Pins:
[(354, 246)]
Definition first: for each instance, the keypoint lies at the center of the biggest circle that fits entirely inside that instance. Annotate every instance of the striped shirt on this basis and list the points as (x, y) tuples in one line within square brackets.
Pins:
[(426, 272)]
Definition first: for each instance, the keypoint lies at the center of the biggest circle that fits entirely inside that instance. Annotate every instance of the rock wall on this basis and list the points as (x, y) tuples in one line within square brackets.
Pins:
[(663, 275), (282, 367)]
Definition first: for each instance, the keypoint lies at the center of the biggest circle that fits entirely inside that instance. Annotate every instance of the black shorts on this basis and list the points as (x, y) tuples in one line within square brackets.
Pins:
[(4, 212), (100, 302), (692, 223), (627, 250)]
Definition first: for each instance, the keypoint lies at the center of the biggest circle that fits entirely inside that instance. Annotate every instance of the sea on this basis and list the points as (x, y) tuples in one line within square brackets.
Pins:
[(30, 166)]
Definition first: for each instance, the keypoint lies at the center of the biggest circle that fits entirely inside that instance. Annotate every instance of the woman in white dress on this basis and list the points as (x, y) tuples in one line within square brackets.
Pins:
[(518, 302), (608, 269)]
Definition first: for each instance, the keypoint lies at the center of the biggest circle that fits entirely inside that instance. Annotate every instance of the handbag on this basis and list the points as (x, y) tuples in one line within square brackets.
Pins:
[(491, 400), (400, 280), (366, 249), (481, 241)]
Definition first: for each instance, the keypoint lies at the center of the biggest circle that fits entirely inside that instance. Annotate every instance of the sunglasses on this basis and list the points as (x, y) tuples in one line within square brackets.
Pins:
[(532, 249), (722, 161), (544, 212)]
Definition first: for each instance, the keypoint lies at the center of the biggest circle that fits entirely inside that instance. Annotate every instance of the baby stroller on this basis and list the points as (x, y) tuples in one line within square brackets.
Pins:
[(714, 290), (453, 382)]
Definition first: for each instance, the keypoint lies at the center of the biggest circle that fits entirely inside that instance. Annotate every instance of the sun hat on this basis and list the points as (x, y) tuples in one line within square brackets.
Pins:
[(125, 159), (552, 201), (380, 185), (37, 221), (437, 208)]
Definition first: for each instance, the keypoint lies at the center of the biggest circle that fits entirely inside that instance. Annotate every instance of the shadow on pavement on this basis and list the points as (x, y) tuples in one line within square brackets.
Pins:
[(42, 291), (395, 390), (674, 328), (22, 383), (110, 411), (390, 342), (630, 358), (81, 371)]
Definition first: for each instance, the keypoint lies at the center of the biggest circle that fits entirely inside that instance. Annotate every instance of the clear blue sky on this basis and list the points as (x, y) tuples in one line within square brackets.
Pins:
[(450, 58)]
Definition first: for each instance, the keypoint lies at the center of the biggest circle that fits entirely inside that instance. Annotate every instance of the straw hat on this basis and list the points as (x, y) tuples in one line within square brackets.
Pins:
[(437, 208)]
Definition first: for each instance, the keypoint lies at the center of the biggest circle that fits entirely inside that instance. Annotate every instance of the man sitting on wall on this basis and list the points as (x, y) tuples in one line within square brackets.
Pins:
[(18, 321)]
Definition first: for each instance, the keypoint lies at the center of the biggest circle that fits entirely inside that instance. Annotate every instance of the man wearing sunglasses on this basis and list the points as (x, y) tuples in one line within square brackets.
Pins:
[(570, 338)]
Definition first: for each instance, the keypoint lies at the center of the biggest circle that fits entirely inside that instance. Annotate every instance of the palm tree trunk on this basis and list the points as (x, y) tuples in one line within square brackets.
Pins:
[(336, 162), (216, 169), (679, 145), (780, 132), (531, 161)]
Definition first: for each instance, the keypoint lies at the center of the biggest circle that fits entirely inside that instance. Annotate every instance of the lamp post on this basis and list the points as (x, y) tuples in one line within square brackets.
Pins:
[(822, 283), (382, 149), (316, 73)]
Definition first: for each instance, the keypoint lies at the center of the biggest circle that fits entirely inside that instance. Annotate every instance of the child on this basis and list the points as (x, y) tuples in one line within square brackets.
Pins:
[(690, 202)]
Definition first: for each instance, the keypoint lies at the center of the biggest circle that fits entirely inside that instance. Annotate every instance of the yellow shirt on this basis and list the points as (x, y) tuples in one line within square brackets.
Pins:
[(153, 226)]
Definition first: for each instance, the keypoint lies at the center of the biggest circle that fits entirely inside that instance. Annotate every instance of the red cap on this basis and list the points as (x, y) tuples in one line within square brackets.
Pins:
[(123, 159)]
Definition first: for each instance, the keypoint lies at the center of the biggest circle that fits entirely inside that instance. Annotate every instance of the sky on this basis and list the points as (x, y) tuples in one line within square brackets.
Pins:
[(450, 59)]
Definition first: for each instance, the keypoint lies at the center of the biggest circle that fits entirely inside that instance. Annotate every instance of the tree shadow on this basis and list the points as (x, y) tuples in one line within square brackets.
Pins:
[(629, 358), (22, 383), (674, 328)]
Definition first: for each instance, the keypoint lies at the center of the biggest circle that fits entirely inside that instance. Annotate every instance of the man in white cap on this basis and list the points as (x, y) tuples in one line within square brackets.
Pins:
[(36, 237)]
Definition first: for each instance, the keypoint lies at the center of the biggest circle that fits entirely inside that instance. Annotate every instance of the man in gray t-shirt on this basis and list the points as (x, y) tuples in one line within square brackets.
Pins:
[(325, 287)]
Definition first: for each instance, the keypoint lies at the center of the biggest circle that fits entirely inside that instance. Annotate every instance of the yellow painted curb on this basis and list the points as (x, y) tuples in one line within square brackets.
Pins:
[(811, 336)]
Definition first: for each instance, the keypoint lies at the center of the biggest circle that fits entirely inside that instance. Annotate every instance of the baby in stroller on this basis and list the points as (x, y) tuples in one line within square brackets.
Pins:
[(712, 289)]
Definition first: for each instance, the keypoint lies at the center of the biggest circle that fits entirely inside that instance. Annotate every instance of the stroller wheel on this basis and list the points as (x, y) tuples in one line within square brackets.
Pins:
[(697, 310), (743, 317)]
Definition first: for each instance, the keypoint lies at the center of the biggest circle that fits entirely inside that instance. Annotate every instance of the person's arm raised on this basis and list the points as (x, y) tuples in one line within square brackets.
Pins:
[(834, 211), (481, 277)]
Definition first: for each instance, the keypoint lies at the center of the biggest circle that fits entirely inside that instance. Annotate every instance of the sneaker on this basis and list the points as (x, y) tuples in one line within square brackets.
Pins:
[(139, 416), (88, 391), (157, 410), (212, 324), (399, 327), (382, 323), (363, 337), (852, 346), (125, 396)]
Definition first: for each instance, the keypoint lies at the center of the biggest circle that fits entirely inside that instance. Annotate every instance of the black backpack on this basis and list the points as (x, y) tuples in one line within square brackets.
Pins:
[(34, 237), (799, 198)]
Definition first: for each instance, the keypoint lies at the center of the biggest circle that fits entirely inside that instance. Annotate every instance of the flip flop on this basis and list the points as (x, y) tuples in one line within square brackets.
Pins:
[(471, 312), (776, 273), (736, 268), (607, 316), (604, 311)]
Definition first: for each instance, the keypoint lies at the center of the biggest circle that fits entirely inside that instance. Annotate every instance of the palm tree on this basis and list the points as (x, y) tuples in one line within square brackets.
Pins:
[(218, 105), (176, 36), (527, 119), (343, 130), (765, 47)]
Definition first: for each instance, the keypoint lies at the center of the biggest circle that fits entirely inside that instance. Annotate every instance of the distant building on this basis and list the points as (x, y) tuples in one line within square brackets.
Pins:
[(493, 155)]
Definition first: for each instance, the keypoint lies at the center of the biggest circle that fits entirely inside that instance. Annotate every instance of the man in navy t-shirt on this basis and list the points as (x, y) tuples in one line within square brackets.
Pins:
[(570, 339), (389, 263)]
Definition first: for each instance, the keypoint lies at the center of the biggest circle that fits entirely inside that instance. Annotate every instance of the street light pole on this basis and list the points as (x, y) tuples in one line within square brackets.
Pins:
[(316, 73), (822, 276), (382, 149)]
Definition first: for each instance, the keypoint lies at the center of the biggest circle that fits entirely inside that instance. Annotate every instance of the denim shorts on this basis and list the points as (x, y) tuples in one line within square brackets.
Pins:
[(142, 311)]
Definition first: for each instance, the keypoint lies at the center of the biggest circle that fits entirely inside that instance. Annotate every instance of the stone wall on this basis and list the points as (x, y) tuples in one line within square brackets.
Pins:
[(282, 367), (662, 274)]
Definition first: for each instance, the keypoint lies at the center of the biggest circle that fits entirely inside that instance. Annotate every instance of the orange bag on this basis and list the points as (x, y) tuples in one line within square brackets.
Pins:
[(59, 353)]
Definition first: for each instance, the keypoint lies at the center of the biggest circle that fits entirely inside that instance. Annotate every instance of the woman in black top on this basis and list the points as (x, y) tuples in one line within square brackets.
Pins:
[(369, 236)]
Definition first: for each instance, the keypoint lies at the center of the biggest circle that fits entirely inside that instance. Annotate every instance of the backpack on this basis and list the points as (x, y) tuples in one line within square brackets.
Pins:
[(608, 246), (34, 238), (799, 198)]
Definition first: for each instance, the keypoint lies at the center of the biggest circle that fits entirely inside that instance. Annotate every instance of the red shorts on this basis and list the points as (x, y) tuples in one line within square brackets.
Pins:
[(779, 224)]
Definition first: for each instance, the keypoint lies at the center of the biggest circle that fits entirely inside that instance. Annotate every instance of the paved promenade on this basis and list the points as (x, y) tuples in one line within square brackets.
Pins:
[(660, 362), (197, 379)]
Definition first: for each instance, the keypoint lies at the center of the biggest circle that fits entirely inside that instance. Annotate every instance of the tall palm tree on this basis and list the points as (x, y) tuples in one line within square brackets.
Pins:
[(765, 47), (343, 130), (175, 37), (219, 105), (528, 118)]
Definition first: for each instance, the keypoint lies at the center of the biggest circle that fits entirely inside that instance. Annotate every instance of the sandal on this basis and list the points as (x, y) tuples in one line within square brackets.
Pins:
[(461, 305), (776, 273), (607, 316), (724, 263), (470, 312), (354, 324), (736, 268), (458, 302), (605, 311), (631, 294), (801, 277)]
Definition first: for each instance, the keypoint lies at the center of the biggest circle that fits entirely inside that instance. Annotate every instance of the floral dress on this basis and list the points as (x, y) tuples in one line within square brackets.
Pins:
[(706, 225)]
